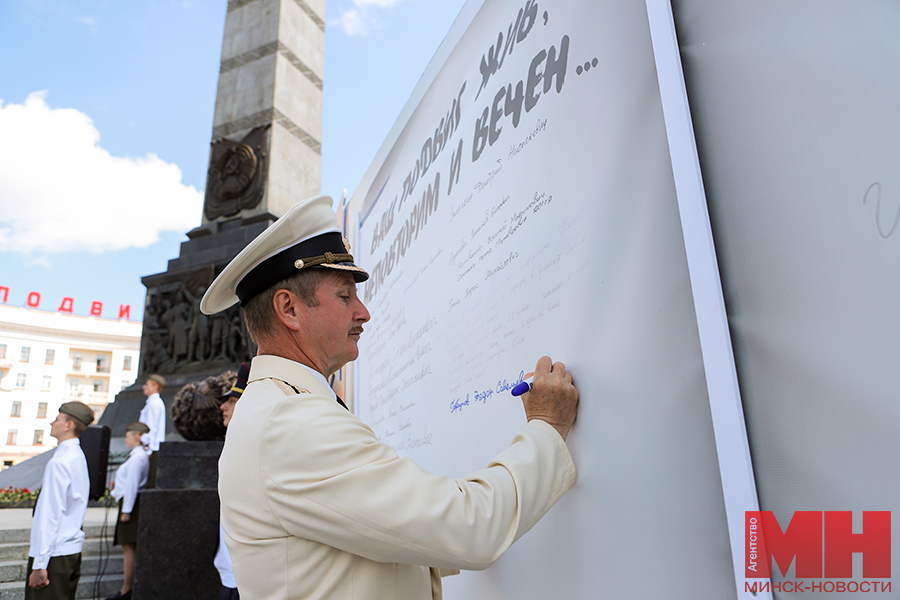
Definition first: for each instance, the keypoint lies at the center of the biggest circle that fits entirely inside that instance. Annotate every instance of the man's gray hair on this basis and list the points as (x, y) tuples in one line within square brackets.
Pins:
[(259, 313)]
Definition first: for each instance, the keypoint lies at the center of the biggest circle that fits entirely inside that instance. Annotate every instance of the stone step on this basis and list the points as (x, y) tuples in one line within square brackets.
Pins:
[(24, 535), (8, 536), (14, 551), (110, 565), (92, 547), (14, 570), (108, 584)]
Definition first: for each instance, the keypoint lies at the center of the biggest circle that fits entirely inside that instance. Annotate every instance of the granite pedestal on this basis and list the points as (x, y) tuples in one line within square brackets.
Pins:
[(179, 526)]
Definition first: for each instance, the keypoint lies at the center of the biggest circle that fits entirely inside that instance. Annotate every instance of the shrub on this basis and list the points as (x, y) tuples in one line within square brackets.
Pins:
[(17, 497)]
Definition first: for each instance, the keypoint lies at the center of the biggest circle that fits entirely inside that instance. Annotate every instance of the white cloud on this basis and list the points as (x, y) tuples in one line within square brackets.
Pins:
[(90, 22), (356, 22), (60, 191), (360, 20)]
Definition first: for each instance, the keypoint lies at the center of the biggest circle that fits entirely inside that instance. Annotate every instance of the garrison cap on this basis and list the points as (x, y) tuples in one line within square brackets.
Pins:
[(138, 427), (307, 236), (78, 410), (158, 379), (240, 383)]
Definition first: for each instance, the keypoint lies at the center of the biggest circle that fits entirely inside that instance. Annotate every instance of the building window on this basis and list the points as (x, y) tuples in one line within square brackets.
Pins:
[(49, 357), (2, 350), (101, 365), (76, 363), (98, 385), (126, 365), (11, 436), (73, 386), (38, 437), (42, 410), (20, 380), (25, 355), (16, 409), (125, 384), (45, 383)]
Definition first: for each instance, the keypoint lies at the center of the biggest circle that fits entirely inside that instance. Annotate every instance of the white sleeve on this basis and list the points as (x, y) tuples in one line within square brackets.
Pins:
[(159, 423), (128, 483), (48, 514), (153, 415), (356, 494)]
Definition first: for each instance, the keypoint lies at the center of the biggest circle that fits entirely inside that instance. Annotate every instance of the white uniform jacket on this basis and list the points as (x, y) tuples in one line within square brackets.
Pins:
[(314, 506), (131, 478), (59, 514), (153, 415)]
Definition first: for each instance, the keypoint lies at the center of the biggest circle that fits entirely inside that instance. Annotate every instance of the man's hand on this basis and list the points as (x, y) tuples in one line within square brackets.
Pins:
[(552, 398), (125, 517), (39, 579)]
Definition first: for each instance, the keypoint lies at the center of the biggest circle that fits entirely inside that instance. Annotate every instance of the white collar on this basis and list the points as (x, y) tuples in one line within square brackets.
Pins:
[(320, 378)]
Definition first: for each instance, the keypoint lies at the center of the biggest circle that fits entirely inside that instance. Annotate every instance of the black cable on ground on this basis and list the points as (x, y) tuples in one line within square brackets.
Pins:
[(103, 557)]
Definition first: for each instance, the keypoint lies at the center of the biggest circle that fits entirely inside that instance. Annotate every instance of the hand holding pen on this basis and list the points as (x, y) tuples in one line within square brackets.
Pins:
[(548, 394)]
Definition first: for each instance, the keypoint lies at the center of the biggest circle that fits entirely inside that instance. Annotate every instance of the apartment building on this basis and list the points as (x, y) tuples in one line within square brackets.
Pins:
[(47, 358)]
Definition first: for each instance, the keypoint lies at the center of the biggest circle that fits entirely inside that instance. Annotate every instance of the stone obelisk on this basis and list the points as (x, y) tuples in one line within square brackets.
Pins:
[(269, 103), (265, 156)]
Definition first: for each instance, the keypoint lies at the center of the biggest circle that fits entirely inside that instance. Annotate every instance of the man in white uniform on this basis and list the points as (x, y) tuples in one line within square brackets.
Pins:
[(54, 563), (313, 505)]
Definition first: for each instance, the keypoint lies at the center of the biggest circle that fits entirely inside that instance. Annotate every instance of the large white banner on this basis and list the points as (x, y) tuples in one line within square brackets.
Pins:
[(525, 207)]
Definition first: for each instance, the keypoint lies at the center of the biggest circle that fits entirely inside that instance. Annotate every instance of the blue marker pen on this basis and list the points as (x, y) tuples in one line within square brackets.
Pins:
[(523, 387)]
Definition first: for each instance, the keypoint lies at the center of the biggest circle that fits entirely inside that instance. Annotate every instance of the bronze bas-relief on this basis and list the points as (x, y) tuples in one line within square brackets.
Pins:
[(235, 180)]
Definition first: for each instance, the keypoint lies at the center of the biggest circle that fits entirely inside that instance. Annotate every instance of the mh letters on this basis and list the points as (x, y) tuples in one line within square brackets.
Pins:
[(820, 543)]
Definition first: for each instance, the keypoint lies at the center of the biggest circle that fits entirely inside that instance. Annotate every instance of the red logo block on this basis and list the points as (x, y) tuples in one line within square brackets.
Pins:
[(818, 550)]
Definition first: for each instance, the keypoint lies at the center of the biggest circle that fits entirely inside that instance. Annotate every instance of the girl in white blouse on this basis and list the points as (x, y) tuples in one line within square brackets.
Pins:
[(130, 479)]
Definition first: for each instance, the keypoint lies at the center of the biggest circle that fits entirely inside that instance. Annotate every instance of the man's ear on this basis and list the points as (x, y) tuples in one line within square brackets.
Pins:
[(290, 310)]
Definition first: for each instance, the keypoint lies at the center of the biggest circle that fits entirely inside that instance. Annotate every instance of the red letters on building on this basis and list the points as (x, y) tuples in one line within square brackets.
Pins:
[(67, 305)]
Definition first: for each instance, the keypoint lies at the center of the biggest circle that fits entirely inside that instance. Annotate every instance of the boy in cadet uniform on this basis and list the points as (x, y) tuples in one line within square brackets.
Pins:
[(54, 563), (154, 416), (131, 478)]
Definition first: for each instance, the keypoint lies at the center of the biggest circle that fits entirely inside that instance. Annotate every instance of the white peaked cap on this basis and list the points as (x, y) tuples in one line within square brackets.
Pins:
[(307, 236)]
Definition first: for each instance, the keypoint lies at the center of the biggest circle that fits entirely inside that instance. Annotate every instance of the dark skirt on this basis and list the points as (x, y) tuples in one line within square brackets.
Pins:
[(127, 533)]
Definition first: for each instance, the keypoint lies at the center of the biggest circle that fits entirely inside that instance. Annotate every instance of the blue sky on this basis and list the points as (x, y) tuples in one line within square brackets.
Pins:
[(106, 118)]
